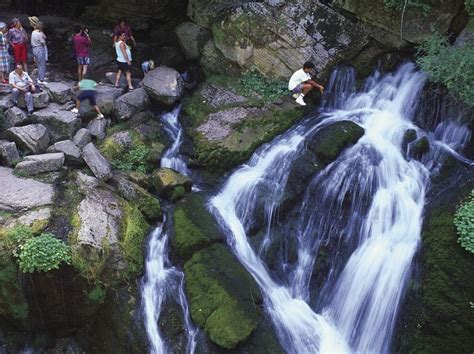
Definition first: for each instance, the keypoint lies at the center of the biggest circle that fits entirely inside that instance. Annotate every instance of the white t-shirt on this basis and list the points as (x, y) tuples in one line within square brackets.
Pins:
[(38, 39), (297, 78)]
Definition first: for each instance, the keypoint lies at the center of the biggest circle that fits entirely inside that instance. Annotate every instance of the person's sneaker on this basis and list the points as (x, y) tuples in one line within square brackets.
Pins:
[(42, 82), (296, 95), (100, 116), (300, 101), (75, 110), (30, 113)]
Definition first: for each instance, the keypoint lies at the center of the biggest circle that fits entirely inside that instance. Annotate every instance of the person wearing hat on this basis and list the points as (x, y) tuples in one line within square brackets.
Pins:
[(4, 57), (38, 42), (18, 38)]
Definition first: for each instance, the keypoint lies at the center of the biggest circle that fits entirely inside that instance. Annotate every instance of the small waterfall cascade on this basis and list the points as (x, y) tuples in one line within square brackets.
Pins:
[(366, 208), (162, 281)]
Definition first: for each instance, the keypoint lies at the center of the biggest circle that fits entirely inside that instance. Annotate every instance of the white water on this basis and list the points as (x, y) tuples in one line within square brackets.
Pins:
[(375, 240), (162, 281)]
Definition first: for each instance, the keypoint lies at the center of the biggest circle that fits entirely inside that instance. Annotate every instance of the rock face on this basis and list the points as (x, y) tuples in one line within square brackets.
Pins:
[(23, 194), (15, 117), (33, 137), (71, 151), (192, 39), (96, 162), (34, 164), (163, 85), (59, 92), (166, 180), (204, 13), (61, 122), (8, 153), (131, 103)]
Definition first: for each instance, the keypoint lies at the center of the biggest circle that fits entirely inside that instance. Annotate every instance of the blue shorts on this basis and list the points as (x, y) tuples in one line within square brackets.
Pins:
[(298, 89), (87, 95), (83, 60)]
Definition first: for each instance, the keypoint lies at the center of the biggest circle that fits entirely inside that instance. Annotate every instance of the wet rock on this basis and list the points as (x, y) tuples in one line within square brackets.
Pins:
[(33, 138), (82, 137), (15, 117), (420, 147), (40, 100), (167, 180), (23, 194), (331, 140), (97, 127), (163, 85), (192, 39), (34, 164), (131, 103), (96, 162), (59, 92), (71, 151), (61, 122), (8, 153)]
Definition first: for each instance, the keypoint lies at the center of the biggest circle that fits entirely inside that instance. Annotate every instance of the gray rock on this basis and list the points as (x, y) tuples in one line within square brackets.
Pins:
[(8, 153), (15, 117), (97, 127), (40, 100), (106, 96), (85, 182), (192, 39), (61, 122), (131, 103), (6, 102), (34, 164), (70, 150), (23, 194), (82, 137), (123, 81), (216, 96), (42, 215), (33, 137), (163, 85), (166, 180), (59, 92), (124, 139), (99, 166)]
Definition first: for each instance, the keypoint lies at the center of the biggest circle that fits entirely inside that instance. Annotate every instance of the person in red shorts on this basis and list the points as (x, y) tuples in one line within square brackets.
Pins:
[(18, 38)]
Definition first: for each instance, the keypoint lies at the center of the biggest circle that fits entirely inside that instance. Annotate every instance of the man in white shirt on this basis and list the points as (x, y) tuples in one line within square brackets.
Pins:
[(301, 83), (21, 83)]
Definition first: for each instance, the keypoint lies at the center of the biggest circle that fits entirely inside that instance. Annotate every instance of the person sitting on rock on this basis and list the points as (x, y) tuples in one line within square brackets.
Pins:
[(301, 83), (124, 60), (123, 26), (22, 84), (81, 42), (87, 91)]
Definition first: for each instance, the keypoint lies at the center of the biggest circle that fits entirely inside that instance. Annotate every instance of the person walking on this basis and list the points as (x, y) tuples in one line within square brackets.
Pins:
[(18, 38), (22, 84), (123, 26), (87, 91), (38, 42), (4, 57), (301, 83), (82, 42), (124, 60)]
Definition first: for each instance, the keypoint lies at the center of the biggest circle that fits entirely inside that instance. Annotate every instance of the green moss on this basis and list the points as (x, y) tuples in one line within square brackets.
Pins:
[(194, 227), (223, 297), (178, 194), (97, 294), (196, 109), (13, 302)]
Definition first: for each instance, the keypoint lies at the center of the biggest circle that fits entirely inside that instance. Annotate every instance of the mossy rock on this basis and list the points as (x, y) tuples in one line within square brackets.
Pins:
[(166, 180), (420, 147), (224, 299), (331, 140), (194, 227), (13, 303)]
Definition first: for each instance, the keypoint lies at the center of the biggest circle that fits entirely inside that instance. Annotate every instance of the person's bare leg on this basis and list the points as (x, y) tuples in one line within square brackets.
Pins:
[(79, 72), (84, 70), (117, 78), (78, 104), (129, 79), (307, 88), (2, 77), (97, 109)]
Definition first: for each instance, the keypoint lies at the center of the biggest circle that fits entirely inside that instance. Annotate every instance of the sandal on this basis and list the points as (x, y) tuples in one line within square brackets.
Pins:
[(130, 89)]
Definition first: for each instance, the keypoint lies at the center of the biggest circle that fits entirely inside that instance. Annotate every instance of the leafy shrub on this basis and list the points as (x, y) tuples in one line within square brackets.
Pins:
[(448, 65), (134, 159), (464, 221), (43, 253), (268, 89)]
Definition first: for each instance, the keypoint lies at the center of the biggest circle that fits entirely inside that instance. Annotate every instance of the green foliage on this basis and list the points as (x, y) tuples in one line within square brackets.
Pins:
[(448, 65), (469, 6), (43, 253), (464, 221), (268, 89), (97, 294), (17, 237)]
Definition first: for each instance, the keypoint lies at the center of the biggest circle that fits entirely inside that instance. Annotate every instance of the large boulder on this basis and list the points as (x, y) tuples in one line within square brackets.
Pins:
[(97, 128), (106, 96), (163, 85), (167, 180), (192, 39), (8, 153), (59, 92), (40, 100), (71, 151), (82, 137), (34, 164), (23, 194), (15, 117), (131, 103), (96, 162), (61, 122), (33, 138), (6, 102)]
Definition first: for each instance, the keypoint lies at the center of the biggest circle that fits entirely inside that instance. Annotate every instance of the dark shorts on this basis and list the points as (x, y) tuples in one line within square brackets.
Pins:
[(123, 66), (298, 89), (83, 60), (87, 95)]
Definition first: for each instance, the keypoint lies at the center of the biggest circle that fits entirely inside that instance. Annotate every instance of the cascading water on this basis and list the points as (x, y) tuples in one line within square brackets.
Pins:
[(367, 204), (162, 280)]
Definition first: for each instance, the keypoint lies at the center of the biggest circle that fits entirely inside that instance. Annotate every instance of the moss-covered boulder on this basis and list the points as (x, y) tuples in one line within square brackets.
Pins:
[(224, 299), (331, 140), (420, 147), (167, 181), (194, 227)]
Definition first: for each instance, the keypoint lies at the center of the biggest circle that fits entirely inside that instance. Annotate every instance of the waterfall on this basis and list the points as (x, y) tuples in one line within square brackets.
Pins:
[(162, 281), (366, 207)]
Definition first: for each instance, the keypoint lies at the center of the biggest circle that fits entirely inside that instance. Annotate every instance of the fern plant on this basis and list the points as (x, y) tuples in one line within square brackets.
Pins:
[(464, 221)]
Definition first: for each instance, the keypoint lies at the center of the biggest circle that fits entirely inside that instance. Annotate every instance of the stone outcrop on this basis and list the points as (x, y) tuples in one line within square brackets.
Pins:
[(96, 162), (164, 85), (192, 39), (131, 103), (33, 138), (8, 153), (35, 164), (61, 122)]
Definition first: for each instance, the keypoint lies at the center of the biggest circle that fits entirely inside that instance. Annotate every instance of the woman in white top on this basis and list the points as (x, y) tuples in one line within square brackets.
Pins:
[(124, 60), (38, 42)]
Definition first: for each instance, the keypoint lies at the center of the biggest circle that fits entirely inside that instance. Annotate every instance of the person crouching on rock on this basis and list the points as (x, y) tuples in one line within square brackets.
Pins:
[(124, 60), (22, 84), (87, 91), (301, 83), (81, 42)]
